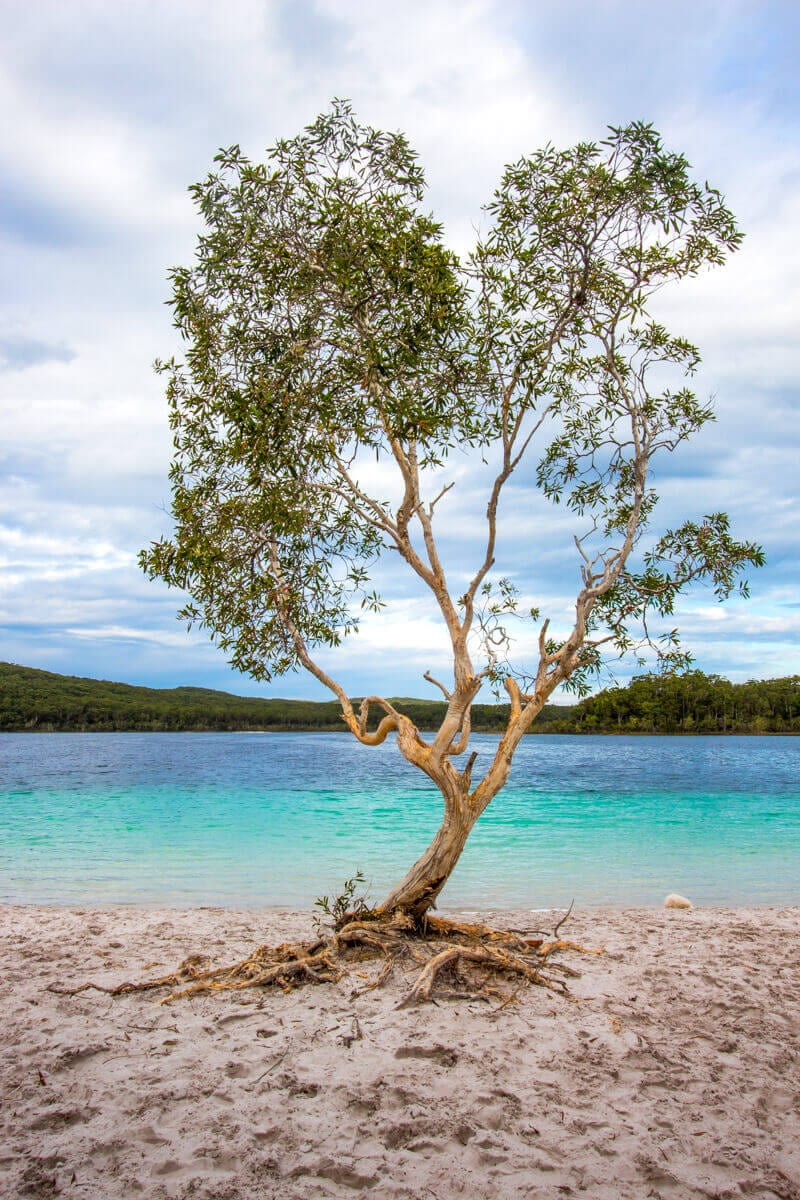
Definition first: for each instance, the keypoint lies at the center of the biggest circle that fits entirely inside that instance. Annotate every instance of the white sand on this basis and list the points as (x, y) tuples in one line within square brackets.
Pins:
[(675, 1074)]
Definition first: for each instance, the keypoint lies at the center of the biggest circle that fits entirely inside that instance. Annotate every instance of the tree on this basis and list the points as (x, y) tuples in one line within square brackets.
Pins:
[(328, 326)]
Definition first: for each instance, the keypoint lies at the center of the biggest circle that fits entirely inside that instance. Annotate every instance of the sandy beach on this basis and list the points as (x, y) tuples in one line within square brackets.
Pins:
[(673, 1073)]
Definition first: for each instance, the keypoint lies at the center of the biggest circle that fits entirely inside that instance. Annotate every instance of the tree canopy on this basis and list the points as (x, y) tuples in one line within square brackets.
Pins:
[(328, 326)]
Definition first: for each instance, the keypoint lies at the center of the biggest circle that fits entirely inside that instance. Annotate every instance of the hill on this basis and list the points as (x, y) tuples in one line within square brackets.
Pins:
[(42, 701), (32, 700)]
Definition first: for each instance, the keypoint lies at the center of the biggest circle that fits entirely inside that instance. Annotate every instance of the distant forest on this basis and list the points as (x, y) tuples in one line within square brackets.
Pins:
[(691, 703), (41, 701)]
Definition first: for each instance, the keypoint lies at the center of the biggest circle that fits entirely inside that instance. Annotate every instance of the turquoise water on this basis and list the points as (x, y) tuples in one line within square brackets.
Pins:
[(276, 819)]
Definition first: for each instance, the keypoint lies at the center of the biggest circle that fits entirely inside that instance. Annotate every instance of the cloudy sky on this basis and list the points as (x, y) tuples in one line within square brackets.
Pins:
[(112, 110)]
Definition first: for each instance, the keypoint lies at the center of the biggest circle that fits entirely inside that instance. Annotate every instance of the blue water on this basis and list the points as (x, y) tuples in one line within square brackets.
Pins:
[(277, 819)]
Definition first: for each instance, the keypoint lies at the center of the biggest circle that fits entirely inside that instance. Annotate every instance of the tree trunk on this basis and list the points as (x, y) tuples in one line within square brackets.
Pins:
[(418, 891)]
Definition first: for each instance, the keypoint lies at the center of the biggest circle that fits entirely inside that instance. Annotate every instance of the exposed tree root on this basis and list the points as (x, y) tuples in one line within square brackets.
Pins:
[(461, 960)]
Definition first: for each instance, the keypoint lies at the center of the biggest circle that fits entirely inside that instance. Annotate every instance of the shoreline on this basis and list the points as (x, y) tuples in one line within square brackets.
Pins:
[(498, 732), (294, 911), (672, 1073)]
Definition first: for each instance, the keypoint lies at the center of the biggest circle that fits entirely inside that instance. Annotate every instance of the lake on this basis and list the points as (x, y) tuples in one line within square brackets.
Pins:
[(277, 819)]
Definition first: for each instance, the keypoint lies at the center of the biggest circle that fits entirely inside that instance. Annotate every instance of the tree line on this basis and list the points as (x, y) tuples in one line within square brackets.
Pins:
[(691, 703), (32, 700)]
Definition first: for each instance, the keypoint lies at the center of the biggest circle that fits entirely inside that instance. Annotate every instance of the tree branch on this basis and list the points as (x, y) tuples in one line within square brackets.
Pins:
[(447, 695)]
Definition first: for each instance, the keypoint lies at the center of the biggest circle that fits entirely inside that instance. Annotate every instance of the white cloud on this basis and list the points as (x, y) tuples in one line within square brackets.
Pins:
[(124, 633), (113, 110)]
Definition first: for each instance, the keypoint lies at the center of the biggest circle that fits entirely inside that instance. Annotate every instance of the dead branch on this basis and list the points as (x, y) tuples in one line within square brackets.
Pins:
[(447, 695), (466, 774), (565, 917)]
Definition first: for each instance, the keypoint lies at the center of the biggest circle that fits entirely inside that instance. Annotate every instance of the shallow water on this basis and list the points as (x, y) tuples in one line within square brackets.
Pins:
[(276, 819)]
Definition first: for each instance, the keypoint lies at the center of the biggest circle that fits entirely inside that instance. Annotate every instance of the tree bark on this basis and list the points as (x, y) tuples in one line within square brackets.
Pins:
[(418, 891)]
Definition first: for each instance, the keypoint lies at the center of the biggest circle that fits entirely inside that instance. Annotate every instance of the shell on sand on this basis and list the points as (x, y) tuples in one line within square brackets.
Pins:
[(673, 900)]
